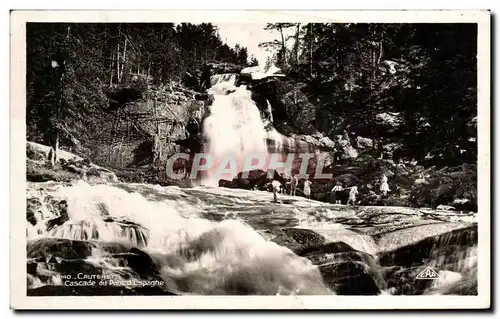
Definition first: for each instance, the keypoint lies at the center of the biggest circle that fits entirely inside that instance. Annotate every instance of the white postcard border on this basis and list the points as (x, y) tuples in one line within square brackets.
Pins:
[(19, 300)]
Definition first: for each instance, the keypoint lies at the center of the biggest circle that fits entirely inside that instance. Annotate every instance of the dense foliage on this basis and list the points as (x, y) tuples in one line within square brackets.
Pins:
[(78, 74), (407, 88), (414, 85)]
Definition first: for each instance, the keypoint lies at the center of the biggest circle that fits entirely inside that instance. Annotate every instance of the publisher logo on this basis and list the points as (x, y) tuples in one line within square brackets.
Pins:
[(428, 273)]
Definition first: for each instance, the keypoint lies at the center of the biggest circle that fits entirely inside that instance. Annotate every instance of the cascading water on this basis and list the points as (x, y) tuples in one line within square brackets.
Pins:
[(235, 127), (222, 241), (194, 255), (206, 240)]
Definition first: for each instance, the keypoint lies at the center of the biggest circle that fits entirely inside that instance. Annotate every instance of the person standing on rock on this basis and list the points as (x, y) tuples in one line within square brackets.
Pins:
[(276, 188), (336, 193), (293, 184), (288, 184), (307, 188), (352, 195), (384, 187), (337, 155)]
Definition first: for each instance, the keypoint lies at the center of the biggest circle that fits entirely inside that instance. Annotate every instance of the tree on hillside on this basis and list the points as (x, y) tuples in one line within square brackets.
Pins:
[(253, 61), (80, 75), (278, 45), (66, 78), (270, 61), (241, 55), (423, 74), (295, 58)]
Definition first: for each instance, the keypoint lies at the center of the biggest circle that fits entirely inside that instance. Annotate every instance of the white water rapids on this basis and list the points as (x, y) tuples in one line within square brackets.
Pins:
[(231, 257), (208, 240), (216, 241)]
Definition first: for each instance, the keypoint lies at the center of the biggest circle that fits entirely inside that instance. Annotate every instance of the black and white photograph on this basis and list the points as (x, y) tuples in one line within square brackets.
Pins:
[(252, 157)]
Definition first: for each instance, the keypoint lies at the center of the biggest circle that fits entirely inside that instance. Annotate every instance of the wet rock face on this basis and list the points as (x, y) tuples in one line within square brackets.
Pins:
[(346, 270), (402, 281), (452, 252), (349, 279), (50, 216), (289, 104), (60, 248), (428, 248), (268, 91), (142, 263), (52, 212), (349, 271), (298, 240)]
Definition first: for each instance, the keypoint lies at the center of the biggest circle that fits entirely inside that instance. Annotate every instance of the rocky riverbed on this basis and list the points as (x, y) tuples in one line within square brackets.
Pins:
[(147, 239)]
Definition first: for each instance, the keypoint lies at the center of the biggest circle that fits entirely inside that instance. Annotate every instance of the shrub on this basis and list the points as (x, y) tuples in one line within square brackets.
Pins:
[(446, 185), (41, 173)]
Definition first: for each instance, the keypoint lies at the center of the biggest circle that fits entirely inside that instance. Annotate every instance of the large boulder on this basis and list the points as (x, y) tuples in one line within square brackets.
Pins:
[(344, 146), (254, 179), (298, 239), (364, 143), (346, 270), (389, 119)]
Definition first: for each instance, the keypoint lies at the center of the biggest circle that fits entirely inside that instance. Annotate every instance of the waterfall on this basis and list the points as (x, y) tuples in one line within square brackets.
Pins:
[(235, 127)]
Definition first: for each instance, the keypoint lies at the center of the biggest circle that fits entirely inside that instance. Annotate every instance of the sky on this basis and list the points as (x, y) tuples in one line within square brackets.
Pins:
[(248, 35)]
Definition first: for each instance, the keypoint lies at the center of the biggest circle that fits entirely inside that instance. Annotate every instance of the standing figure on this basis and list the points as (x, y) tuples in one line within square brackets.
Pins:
[(293, 184), (276, 188), (307, 188), (384, 187), (288, 184), (352, 195), (336, 193), (337, 155)]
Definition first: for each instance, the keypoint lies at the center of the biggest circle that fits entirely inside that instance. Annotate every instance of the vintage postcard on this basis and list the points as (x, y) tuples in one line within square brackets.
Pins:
[(250, 159)]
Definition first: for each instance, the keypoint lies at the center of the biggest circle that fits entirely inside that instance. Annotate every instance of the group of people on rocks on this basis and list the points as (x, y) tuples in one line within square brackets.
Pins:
[(336, 192), (291, 186)]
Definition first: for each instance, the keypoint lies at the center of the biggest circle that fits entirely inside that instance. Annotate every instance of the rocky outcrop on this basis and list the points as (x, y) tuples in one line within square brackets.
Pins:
[(289, 104), (154, 127), (454, 187), (454, 251), (358, 250), (69, 167), (345, 148), (255, 179), (363, 143), (346, 270), (299, 240)]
